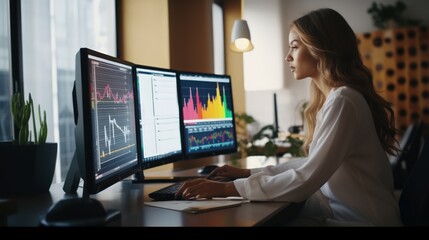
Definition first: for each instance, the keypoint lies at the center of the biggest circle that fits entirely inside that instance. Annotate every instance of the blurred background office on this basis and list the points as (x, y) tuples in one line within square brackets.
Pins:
[(39, 40)]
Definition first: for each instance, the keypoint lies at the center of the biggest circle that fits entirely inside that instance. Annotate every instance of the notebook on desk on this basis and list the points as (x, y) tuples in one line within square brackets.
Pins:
[(197, 206)]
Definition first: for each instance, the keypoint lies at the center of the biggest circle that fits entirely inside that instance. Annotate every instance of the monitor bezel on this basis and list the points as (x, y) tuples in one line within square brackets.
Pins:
[(182, 125), (84, 128), (172, 158)]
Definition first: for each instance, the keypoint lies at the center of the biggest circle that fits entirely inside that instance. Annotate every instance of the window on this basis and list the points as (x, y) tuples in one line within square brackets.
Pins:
[(6, 132), (218, 39), (52, 33)]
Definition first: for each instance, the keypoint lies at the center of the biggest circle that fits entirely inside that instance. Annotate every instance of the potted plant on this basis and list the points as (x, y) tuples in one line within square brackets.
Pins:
[(263, 141), (27, 165), (390, 16)]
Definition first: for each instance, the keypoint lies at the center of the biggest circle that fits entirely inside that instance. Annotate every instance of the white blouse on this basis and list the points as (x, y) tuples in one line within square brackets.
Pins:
[(346, 178)]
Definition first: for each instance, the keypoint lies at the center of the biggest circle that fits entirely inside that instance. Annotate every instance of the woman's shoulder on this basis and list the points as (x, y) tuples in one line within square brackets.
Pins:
[(346, 93), (345, 96)]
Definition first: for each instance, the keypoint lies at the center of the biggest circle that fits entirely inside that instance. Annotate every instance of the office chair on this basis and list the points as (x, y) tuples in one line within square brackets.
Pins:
[(409, 149), (414, 199)]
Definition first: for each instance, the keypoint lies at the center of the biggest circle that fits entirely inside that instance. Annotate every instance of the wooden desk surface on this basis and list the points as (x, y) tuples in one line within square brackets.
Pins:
[(129, 197)]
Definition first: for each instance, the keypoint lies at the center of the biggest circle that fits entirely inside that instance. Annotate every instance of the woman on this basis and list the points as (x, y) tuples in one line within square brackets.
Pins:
[(346, 178)]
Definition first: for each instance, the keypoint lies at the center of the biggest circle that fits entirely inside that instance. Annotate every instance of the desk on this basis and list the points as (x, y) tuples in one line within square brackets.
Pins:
[(129, 197), (7, 207)]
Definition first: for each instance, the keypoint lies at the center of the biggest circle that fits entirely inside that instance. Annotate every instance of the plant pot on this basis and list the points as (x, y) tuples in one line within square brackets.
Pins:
[(26, 169)]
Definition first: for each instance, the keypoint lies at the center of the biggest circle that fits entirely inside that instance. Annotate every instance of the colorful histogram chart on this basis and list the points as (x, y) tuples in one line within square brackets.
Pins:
[(206, 102), (208, 116), (113, 115)]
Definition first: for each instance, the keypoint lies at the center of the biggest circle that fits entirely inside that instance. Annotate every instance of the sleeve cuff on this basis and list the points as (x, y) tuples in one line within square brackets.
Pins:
[(239, 185)]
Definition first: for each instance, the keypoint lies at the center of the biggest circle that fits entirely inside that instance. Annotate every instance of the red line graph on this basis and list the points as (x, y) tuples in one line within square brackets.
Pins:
[(109, 95)]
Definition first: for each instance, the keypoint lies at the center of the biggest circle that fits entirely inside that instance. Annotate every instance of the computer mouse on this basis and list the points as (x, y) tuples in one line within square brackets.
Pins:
[(207, 169), (75, 212)]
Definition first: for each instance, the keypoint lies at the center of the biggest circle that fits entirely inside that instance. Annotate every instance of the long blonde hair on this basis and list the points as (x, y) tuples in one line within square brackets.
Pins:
[(333, 43)]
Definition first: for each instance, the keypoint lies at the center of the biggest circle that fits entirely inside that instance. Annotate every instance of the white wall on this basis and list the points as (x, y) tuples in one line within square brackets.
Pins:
[(266, 71), (265, 24)]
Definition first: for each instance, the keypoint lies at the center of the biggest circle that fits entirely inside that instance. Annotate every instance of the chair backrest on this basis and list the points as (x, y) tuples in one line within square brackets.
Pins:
[(414, 199), (409, 146)]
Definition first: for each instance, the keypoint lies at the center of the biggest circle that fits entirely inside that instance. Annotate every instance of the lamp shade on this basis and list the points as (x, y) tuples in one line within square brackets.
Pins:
[(240, 37)]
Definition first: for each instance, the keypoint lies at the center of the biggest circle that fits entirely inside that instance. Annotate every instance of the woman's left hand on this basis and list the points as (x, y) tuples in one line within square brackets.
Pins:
[(204, 188)]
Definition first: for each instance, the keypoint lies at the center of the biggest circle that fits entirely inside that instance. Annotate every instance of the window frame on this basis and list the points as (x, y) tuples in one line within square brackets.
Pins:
[(17, 80), (16, 51)]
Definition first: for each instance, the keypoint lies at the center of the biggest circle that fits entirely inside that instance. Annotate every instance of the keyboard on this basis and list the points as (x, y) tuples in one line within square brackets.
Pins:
[(166, 193), (169, 192)]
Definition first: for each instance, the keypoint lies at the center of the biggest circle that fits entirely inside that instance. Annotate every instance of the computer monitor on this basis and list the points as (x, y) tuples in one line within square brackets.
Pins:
[(159, 116), (107, 143), (208, 122)]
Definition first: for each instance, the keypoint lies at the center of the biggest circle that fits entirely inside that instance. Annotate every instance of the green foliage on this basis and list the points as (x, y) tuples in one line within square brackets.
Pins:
[(244, 118), (270, 148), (296, 146), (383, 15), (241, 121), (22, 111)]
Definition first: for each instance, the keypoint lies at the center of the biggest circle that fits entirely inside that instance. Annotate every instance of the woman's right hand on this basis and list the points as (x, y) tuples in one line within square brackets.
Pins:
[(228, 171)]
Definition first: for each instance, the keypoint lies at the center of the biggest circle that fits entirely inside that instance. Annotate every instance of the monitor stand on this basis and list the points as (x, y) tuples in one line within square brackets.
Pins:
[(75, 211), (72, 180)]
